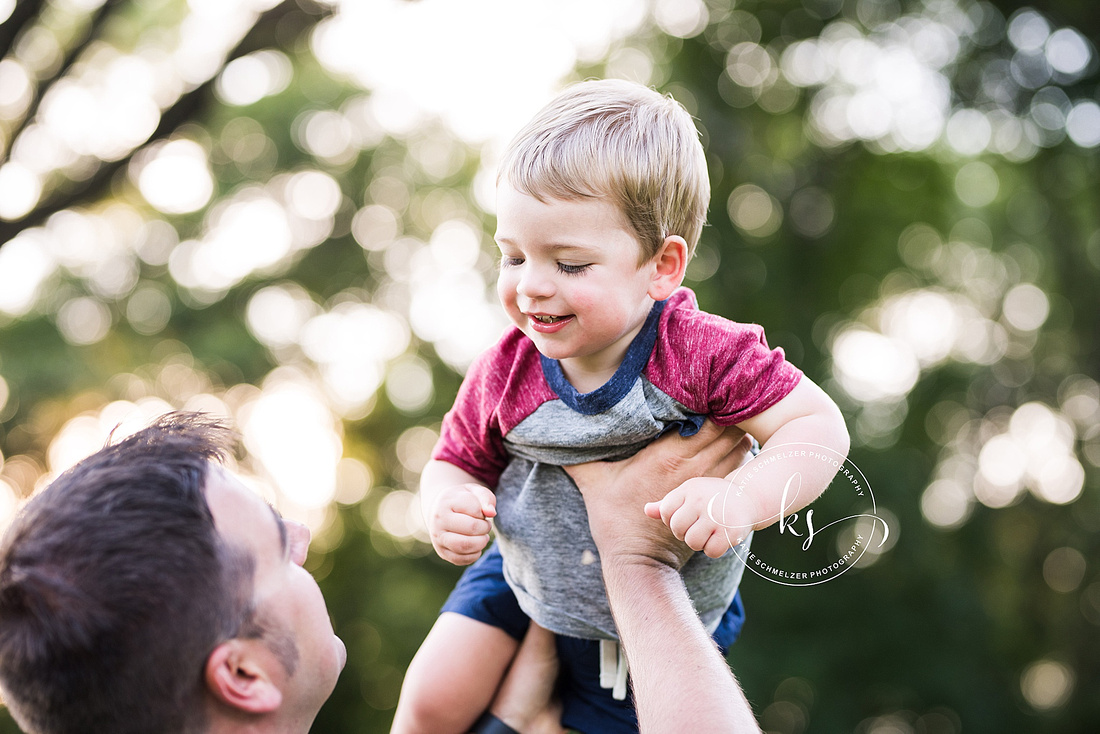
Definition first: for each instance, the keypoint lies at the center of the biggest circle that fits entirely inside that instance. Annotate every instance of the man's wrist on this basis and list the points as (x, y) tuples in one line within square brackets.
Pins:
[(625, 567)]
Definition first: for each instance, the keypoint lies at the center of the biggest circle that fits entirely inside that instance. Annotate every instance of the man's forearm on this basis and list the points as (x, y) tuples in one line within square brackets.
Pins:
[(681, 683)]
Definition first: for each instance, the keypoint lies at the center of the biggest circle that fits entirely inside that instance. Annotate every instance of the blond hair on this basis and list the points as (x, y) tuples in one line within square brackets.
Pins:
[(623, 141)]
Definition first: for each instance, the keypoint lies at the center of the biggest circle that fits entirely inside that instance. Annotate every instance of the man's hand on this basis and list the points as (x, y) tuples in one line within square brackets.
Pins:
[(459, 522), (615, 493), (667, 646)]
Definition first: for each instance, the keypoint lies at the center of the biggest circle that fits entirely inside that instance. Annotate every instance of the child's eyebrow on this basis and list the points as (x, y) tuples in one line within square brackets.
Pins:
[(580, 249), (555, 249)]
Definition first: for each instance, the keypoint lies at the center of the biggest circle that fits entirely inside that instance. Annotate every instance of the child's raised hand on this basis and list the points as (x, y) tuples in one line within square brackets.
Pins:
[(685, 511), (459, 522)]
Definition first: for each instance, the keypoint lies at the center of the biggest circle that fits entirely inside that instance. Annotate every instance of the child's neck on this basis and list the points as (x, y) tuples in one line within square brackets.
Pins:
[(586, 380), (592, 371)]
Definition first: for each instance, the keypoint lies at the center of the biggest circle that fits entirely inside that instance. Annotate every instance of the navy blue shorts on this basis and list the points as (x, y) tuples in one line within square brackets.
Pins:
[(484, 595)]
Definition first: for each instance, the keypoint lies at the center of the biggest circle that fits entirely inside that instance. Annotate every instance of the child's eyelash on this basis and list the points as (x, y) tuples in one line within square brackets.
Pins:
[(563, 268)]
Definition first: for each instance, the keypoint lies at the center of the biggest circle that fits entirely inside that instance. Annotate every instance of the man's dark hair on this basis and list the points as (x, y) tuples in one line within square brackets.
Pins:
[(115, 586)]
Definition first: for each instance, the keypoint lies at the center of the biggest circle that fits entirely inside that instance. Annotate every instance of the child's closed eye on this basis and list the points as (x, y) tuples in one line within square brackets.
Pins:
[(510, 262), (569, 269)]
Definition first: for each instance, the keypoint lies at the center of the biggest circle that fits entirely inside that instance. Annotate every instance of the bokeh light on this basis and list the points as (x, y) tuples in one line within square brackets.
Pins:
[(886, 84), (1026, 307), (25, 264), (410, 57), (946, 503), (445, 279), (409, 384), (248, 79), (276, 314), (20, 189), (9, 504), (754, 211), (148, 309), (870, 366), (257, 229), (399, 515), (15, 88), (174, 177), (351, 345), (353, 481), (83, 435), (292, 433), (977, 184), (1064, 569), (1083, 124), (1047, 684), (292, 436), (83, 321)]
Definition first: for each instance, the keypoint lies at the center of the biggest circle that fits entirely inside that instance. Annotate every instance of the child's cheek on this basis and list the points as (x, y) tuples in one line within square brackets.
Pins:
[(590, 299), (506, 288)]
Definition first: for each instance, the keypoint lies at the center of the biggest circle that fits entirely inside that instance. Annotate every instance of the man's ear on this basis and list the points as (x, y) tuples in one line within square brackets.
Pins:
[(237, 675), (670, 264)]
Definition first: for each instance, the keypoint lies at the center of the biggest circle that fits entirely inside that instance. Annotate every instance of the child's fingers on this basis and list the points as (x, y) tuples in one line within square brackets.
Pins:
[(717, 545), (459, 559), (653, 510), (462, 545), (681, 521), (463, 524), (670, 505), (487, 501), (468, 501), (698, 534)]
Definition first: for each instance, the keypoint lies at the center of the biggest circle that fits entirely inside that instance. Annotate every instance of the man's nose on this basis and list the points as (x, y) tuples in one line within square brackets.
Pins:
[(298, 536)]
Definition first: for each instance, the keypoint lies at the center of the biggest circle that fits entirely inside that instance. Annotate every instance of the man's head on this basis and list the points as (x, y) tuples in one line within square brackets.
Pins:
[(623, 142), (138, 594)]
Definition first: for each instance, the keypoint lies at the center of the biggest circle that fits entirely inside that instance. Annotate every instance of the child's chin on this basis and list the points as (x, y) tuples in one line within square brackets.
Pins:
[(550, 350)]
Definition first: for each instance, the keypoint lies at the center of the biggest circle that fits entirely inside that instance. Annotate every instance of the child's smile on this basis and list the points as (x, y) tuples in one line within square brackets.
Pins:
[(546, 324)]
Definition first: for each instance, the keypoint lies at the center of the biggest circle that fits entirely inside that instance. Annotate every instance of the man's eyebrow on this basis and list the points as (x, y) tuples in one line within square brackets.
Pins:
[(284, 543)]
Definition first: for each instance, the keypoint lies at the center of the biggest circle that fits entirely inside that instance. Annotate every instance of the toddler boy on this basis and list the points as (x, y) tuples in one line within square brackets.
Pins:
[(600, 203)]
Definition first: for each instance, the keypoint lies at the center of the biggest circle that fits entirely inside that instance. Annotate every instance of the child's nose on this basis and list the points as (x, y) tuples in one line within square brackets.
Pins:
[(535, 282)]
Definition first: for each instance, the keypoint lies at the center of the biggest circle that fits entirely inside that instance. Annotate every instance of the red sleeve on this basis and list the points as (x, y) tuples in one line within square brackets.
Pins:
[(717, 367), (503, 386)]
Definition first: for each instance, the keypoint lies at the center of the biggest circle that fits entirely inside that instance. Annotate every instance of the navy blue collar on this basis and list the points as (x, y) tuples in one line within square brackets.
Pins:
[(615, 389)]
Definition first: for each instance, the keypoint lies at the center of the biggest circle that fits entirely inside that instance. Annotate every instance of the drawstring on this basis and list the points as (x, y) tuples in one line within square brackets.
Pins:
[(613, 669)]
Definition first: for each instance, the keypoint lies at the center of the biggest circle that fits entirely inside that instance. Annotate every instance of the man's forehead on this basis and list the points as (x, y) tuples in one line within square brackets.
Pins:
[(240, 514)]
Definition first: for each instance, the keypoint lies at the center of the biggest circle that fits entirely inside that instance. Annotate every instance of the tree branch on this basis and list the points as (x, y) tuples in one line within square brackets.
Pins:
[(186, 108), (24, 12), (90, 31)]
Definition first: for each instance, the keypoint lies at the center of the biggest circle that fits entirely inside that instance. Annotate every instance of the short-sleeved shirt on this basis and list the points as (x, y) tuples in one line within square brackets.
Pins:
[(517, 421)]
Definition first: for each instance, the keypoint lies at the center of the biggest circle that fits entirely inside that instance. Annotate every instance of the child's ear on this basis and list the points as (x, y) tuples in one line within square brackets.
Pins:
[(669, 266)]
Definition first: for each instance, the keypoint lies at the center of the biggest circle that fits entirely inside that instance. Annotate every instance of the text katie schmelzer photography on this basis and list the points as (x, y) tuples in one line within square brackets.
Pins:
[(830, 536)]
